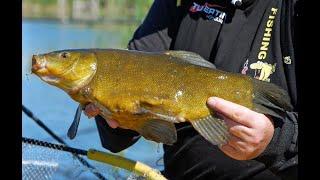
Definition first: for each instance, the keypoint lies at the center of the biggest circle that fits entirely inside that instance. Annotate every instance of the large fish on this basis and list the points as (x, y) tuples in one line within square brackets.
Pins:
[(149, 92)]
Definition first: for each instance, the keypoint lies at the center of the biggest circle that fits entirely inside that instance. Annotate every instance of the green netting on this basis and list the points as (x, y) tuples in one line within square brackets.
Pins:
[(46, 163)]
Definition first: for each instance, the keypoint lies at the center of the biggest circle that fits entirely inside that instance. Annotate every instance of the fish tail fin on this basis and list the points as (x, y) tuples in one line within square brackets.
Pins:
[(270, 99)]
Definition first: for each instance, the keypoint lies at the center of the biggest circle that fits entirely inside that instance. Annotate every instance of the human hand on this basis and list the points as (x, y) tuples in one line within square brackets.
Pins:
[(251, 132), (91, 111)]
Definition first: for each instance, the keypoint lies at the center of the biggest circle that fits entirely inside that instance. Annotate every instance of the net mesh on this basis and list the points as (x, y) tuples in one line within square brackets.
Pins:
[(45, 163), (37, 163)]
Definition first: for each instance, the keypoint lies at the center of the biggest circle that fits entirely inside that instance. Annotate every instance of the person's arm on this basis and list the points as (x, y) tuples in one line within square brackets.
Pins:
[(115, 139), (268, 139), (257, 137), (152, 35), (271, 140), (282, 151)]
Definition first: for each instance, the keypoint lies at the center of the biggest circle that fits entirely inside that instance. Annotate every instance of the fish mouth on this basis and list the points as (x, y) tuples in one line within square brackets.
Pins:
[(39, 65), (40, 69), (50, 79)]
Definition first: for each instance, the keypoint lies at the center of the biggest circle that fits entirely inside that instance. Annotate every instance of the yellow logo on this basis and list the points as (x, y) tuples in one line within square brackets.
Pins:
[(267, 35), (263, 70)]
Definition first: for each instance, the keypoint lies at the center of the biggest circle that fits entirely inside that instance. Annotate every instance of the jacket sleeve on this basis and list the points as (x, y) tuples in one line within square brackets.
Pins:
[(117, 139), (151, 35), (282, 151)]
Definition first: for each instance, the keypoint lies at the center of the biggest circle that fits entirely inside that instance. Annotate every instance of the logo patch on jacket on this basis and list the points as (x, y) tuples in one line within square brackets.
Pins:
[(263, 70), (210, 11)]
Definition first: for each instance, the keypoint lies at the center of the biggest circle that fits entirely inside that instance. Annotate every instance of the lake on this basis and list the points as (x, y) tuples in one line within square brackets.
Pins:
[(56, 109)]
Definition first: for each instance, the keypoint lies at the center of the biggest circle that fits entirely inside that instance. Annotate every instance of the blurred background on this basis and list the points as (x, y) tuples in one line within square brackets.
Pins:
[(50, 25)]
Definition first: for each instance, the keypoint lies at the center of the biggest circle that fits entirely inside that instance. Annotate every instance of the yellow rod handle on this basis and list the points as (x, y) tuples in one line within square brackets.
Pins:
[(124, 163)]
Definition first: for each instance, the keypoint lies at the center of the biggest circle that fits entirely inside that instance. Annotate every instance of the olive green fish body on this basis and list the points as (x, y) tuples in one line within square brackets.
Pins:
[(127, 81), (148, 92)]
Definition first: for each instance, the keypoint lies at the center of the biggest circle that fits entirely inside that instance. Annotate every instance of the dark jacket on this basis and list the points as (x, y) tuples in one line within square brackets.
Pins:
[(248, 39)]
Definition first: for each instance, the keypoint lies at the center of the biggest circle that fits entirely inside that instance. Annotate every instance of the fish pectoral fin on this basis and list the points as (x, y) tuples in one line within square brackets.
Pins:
[(213, 129), (159, 131), (191, 57), (72, 132)]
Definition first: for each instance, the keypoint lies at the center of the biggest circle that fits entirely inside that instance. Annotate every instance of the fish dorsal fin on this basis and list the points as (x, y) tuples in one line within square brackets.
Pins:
[(191, 57), (213, 129), (159, 131)]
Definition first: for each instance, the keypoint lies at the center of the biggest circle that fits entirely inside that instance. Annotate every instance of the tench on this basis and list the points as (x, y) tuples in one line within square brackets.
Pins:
[(149, 92)]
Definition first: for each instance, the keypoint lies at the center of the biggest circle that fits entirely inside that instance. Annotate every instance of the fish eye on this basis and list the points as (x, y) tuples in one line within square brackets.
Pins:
[(64, 55)]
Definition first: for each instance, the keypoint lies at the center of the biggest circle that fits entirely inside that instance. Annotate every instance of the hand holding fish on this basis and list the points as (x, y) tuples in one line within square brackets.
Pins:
[(91, 111), (251, 132)]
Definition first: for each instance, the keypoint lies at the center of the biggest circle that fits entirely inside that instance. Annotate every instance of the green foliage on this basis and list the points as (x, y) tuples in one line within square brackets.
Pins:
[(42, 2), (121, 16), (109, 9), (141, 8)]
